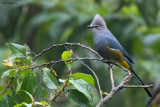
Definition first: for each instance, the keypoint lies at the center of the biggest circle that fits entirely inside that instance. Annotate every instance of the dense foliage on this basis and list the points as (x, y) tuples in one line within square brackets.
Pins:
[(28, 86)]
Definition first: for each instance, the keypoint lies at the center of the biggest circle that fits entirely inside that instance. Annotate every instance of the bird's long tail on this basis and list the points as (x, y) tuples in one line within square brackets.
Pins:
[(126, 64), (141, 82)]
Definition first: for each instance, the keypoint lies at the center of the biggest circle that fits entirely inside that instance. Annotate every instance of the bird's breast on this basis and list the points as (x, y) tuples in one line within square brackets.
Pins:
[(102, 47)]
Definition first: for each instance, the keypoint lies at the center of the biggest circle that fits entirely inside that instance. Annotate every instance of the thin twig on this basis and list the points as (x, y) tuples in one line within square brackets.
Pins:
[(137, 86), (64, 44), (59, 61), (7, 86), (64, 86)]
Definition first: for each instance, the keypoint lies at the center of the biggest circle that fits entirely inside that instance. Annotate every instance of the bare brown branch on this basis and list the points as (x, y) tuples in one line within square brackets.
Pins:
[(137, 86), (64, 44), (64, 86)]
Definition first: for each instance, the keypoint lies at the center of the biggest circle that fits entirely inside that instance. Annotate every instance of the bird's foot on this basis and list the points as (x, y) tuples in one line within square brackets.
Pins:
[(110, 66)]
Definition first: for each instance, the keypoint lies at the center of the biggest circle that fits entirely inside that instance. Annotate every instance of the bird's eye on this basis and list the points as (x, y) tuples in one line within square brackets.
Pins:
[(96, 26)]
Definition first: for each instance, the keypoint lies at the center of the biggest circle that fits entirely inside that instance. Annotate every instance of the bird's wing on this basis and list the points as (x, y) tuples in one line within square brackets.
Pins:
[(113, 43)]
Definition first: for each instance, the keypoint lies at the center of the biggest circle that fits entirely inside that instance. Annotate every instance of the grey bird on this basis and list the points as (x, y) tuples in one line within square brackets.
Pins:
[(109, 48)]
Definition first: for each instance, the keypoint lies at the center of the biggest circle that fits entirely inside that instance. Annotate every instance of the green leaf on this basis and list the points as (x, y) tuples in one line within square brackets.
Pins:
[(1, 89), (19, 105), (88, 78), (36, 104), (38, 89), (49, 80), (17, 49), (20, 52), (16, 97), (45, 93), (83, 87), (28, 105), (5, 75), (11, 73), (18, 87), (8, 91), (66, 55), (25, 72), (7, 101), (78, 97), (23, 104), (26, 96), (62, 80), (28, 83), (43, 103)]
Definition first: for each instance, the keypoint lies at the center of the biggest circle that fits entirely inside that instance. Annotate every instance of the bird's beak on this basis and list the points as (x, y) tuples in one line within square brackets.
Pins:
[(90, 26)]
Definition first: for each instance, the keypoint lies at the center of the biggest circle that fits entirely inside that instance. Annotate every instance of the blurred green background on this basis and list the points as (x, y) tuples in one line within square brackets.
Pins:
[(41, 23)]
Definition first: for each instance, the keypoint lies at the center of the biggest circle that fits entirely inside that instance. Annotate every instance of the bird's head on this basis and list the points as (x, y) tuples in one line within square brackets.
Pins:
[(98, 23)]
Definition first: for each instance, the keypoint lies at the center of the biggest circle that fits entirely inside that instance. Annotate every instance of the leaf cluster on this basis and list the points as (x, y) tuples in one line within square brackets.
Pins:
[(31, 87)]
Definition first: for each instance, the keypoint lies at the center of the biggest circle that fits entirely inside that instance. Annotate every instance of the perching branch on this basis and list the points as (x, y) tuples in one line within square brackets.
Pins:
[(119, 87), (114, 90)]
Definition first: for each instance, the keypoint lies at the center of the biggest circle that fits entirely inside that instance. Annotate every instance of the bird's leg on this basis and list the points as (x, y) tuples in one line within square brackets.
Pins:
[(111, 74), (109, 66)]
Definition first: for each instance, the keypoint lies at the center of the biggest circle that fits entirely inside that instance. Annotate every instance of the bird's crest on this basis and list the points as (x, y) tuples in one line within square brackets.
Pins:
[(98, 20)]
